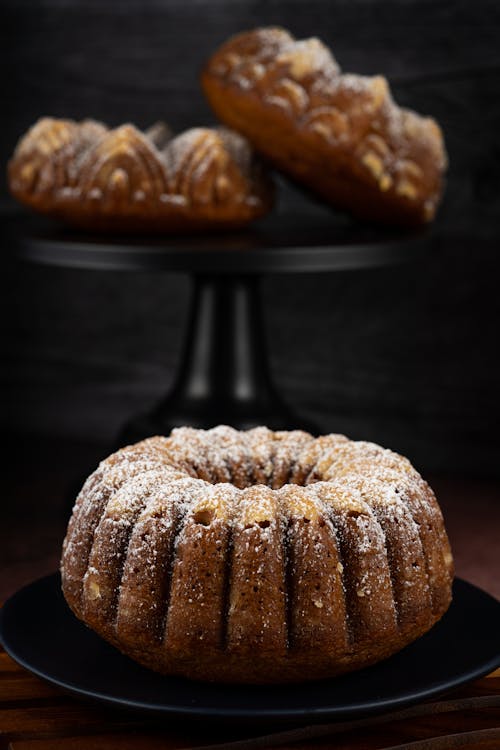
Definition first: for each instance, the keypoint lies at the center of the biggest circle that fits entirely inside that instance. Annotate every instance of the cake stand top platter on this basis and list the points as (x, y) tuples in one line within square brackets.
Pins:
[(280, 243)]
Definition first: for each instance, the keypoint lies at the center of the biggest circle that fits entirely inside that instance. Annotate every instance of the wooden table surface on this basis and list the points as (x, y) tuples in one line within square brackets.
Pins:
[(37, 716)]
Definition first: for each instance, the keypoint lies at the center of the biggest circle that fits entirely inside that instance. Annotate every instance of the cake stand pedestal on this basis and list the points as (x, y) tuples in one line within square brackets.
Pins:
[(224, 374)]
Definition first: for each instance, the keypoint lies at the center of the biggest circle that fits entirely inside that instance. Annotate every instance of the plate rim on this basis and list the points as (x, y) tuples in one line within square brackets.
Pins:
[(261, 714)]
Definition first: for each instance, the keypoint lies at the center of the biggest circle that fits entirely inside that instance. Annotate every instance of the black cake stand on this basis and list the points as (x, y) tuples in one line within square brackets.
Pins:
[(224, 373)]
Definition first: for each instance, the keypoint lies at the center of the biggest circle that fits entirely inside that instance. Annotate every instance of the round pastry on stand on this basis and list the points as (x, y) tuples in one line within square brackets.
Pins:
[(125, 180), (340, 135)]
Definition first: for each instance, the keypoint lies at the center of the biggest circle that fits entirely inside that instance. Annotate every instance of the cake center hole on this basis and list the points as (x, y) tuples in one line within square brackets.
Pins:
[(267, 473)]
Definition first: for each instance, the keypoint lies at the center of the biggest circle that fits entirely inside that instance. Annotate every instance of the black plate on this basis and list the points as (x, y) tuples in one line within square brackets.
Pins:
[(40, 632)]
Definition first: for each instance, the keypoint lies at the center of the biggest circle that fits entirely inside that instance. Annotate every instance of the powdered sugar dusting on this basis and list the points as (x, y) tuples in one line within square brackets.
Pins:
[(351, 472)]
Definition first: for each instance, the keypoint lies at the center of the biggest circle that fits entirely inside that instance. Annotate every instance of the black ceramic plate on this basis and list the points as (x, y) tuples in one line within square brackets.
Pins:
[(40, 632)]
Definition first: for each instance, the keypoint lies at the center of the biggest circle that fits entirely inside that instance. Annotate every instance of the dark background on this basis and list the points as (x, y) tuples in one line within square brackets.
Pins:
[(405, 356)]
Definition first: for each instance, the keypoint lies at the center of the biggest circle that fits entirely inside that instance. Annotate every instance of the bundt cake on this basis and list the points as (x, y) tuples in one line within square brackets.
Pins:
[(340, 135), (256, 556), (128, 180)]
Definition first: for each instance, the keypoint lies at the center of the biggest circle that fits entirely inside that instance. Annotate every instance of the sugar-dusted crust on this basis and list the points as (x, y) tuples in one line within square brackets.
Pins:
[(256, 556), (341, 135), (126, 179)]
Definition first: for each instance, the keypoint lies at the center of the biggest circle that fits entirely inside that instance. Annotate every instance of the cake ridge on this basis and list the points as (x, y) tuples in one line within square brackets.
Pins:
[(367, 489), (93, 507), (347, 509), (101, 582), (188, 501)]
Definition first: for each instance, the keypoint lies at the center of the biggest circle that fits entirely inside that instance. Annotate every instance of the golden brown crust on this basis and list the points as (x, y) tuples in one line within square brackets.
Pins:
[(340, 135), (257, 556), (125, 179)]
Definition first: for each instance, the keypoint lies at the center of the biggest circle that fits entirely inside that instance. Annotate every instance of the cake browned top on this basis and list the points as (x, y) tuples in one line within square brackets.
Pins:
[(258, 474)]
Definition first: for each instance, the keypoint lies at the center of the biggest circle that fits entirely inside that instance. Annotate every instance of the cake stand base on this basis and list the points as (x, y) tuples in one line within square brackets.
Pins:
[(224, 376)]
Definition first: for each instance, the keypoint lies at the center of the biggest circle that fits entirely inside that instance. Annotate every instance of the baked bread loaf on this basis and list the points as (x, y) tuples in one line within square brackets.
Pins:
[(340, 135), (256, 556), (128, 180)]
